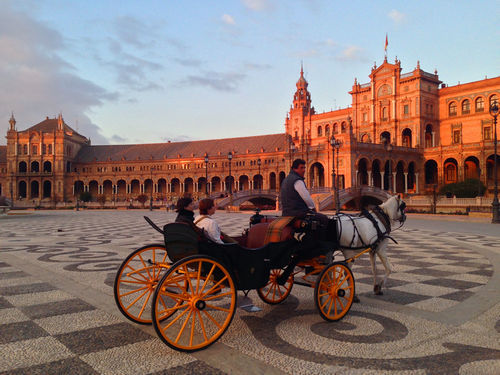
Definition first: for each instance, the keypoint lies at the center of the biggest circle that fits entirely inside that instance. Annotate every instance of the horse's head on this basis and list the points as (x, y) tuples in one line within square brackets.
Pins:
[(394, 207)]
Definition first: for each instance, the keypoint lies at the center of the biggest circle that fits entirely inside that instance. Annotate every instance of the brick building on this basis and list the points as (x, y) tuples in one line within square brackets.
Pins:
[(405, 132)]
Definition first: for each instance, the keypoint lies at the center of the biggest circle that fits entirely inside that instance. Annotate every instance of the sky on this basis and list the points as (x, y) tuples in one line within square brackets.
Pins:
[(152, 71)]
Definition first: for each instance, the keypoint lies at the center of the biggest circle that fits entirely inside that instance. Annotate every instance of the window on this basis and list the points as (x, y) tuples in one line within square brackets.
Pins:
[(466, 107), (385, 113), (320, 131), (365, 117), (452, 109), (493, 100), (44, 149), (480, 104), (406, 109), (456, 136), (327, 131), (34, 150), (335, 128), (487, 133), (50, 149), (450, 173), (25, 149), (343, 127)]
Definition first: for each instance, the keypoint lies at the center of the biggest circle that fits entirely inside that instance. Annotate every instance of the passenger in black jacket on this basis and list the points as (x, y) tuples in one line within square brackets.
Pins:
[(185, 213)]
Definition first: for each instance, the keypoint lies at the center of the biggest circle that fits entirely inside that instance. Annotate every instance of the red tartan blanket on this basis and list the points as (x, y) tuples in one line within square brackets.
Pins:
[(275, 228)]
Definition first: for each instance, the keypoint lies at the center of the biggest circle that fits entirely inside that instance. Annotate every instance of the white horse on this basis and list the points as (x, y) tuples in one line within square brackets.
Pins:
[(357, 233)]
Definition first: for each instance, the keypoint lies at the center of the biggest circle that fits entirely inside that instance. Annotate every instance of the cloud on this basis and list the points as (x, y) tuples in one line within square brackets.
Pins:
[(217, 81), (397, 16), (257, 5), (188, 62), (254, 66), (117, 139), (352, 54), (228, 20), (37, 82)]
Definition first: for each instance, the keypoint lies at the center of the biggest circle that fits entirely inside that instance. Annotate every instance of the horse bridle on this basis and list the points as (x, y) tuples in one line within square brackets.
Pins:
[(401, 208)]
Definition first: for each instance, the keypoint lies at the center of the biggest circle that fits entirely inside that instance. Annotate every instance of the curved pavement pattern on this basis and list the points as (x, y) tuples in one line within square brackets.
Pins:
[(440, 312)]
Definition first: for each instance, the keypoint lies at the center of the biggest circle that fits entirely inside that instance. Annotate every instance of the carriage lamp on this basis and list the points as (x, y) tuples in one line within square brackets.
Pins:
[(230, 157), (206, 174), (259, 162), (495, 206)]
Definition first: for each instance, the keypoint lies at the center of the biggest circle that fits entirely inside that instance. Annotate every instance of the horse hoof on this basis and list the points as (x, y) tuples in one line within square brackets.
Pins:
[(377, 289), (355, 299)]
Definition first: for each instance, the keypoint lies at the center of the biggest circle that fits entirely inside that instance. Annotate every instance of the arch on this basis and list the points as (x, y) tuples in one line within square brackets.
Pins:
[(327, 131), (363, 172), (479, 104), (229, 180), (450, 171), (201, 185), (78, 187), (431, 172), (175, 185), (148, 186), (490, 167), (400, 178), (365, 138), (35, 189), (35, 166), (471, 167), (335, 128), (320, 131), (22, 189), (258, 181), (376, 175), (107, 188), (452, 109), (135, 187), (282, 176), (272, 180), (465, 107), (23, 167), (47, 166), (47, 189), (317, 175), (385, 137), (94, 188), (493, 99), (411, 175), (215, 184), (162, 186), (343, 127), (428, 136), (188, 185), (121, 188), (384, 90), (406, 137), (244, 182)]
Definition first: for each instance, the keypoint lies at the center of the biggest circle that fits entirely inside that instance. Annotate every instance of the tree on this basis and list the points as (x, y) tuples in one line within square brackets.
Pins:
[(469, 188), (85, 196), (142, 198)]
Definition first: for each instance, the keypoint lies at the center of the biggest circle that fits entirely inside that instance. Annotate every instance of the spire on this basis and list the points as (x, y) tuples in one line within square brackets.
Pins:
[(12, 122), (60, 121), (302, 83)]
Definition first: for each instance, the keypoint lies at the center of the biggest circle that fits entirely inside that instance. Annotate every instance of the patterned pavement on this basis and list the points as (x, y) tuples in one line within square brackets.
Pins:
[(439, 313)]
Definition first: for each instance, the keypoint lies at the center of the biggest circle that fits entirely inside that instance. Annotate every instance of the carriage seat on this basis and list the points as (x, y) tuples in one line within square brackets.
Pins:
[(258, 233)]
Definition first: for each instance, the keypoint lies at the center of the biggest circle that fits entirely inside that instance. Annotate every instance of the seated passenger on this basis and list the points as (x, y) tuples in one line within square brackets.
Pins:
[(185, 213), (209, 225)]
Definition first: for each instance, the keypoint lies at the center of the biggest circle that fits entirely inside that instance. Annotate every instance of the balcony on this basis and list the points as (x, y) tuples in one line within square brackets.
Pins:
[(34, 174)]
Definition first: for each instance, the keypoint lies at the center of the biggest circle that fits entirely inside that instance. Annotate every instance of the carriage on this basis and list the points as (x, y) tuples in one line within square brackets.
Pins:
[(187, 286)]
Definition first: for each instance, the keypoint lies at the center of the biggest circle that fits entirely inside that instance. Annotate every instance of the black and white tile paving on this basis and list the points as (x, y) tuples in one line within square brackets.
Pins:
[(44, 328)]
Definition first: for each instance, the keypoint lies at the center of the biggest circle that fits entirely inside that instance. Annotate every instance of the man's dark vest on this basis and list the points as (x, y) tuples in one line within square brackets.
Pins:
[(292, 203)]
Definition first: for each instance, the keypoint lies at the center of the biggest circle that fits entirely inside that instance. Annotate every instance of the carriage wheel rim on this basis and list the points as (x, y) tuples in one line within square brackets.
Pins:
[(274, 293), (136, 281), (204, 317)]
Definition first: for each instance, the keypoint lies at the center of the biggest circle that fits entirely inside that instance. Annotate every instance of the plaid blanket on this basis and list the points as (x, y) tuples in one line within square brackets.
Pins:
[(275, 228)]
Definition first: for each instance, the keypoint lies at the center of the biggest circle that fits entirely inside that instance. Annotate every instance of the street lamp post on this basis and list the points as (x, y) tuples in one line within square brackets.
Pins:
[(495, 205), (292, 150), (77, 196), (12, 190), (335, 143), (151, 191), (388, 148), (206, 174), (259, 162), (230, 157)]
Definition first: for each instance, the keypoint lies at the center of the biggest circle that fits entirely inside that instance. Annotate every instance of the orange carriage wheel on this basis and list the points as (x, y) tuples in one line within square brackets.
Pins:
[(274, 293), (202, 294), (334, 291), (136, 281)]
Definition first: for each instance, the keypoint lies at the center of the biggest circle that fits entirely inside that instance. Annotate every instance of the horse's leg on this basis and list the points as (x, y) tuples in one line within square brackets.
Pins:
[(374, 272), (387, 264)]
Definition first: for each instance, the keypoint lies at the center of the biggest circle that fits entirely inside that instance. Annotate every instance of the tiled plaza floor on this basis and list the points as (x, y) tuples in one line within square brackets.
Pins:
[(440, 312)]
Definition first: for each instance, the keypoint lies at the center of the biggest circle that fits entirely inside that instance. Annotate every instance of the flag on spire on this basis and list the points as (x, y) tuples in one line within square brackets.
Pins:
[(386, 43)]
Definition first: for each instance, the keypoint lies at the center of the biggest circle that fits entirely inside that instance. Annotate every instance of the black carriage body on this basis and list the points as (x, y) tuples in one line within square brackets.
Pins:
[(250, 268)]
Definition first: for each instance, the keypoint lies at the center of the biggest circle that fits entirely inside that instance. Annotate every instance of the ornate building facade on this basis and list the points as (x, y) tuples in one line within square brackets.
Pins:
[(404, 132)]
